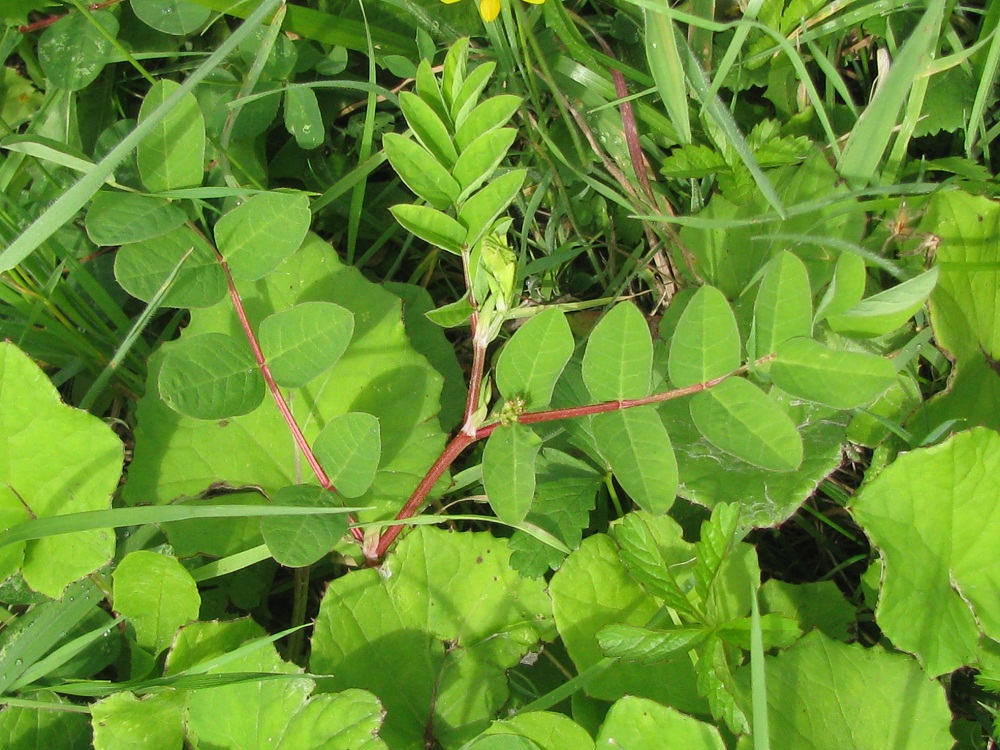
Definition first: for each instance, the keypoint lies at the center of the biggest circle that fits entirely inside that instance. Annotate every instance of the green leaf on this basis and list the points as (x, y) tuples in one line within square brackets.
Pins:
[(50, 723), (143, 267), (73, 51), (618, 361), (56, 460), (258, 235), (432, 226), (483, 208), (668, 71), (304, 341), (649, 646), (718, 537), (297, 541), (157, 595), (814, 606), (116, 218), (212, 376), (783, 308), (534, 358), (908, 711), (429, 90), (472, 88), (545, 729), (453, 71), (124, 722), (178, 17), (740, 419), (640, 723), (636, 445), (452, 315), (349, 448), (846, 288), (173, 155), (930, 513), (421, 172), (888, 310), (509, 471), (303, 118), (486, 117), (834, 377), (706, 341), (428, 128), (481, 158)]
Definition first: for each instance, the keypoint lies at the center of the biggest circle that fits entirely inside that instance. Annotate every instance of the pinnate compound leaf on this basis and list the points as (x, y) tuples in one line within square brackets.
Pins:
[(173, 155), (304, 341), (157, 595), (833, 377), (783, 308), (933, 515), (908, 711), (143, 267), (73, 51), (739, 418), (349, 448), (297, 541), (420, 171), (56, 460), (123, 721), (706, 341), (483, 208), (641, 723), (509, 470), (116, 218), (534, 358), (258, 235), (618, 361), (212, 376), (485, 117), (429, 129), (888, 310), (177, 17), (478, 162), (649, 646), (432, 226), (636, 445), (847, 287), (472, 87), (303, 118)]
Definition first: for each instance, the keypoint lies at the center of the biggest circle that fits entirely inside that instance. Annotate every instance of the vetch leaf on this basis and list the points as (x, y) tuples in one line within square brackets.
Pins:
[(706, 341), (888, 310), (534, 358), (256, 236), (483, 208), (618, 361), (428, 128), (740, 419), (509, 471), (481, 158), (783, 308), (636, 445), (305, 340), (432, 226), (157, 595), (834, 377), (115, 218), (420, 171), (349, 448), (303, 118), (297, 541), (485, 117), (212, 376), (173, 155), (846, 288), (73, 51), (641, 723), (472, 87)]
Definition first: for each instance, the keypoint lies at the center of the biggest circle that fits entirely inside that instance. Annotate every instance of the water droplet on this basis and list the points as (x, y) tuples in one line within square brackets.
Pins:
[(18, 662)]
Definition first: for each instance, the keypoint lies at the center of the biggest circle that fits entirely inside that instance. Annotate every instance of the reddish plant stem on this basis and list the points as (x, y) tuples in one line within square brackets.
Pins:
[(469, 425), (276, 394), (43, 23)]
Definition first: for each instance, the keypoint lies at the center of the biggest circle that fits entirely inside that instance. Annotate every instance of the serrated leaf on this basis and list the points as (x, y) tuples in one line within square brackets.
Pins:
[(834, 377), (432, 226), (777, 631), (647, 646), (177, 17), (115, 218), (739, 418), (349, 448), (640, 723), (783, 308), (173, 155), (485, 206), (428, 128), (305, 340), (618, 361), (212, 376), (888, 310), (718, 536), (421, 172), (846, 288), (72, 52), (640, 551), (706, 342), (157, 595), (509, 471), (636, 445), (481, 158), (485, 117), (296, 541), (692, 161), (534, 358), (303, 118), (258, 235)]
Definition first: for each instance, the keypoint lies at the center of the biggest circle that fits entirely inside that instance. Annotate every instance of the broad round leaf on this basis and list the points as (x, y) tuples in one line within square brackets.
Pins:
[(177, 17), (706, 341), (509, 471), (636, 445), (349, 449), (123, 721), (550, 730), (303, 118), (304, 341), (173, 155), (258, 235), (143, 267), (783, 308), (296, 541), (739, 418), (642, 723), (73, 51), (618, 361), (212, 376), (534, 358), (116, 218), (157, 595), (841, 379)]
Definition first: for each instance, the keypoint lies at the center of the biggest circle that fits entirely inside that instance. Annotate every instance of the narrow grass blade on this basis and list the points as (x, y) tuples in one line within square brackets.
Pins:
[(758, 681), (665, 64), (62, 655), (987, 77)]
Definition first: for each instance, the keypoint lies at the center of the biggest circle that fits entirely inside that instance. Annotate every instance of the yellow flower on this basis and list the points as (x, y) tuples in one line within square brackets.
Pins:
[(490, 9)]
